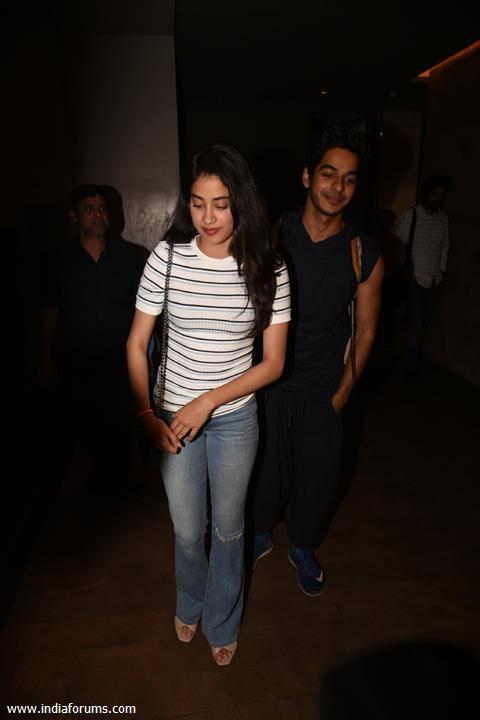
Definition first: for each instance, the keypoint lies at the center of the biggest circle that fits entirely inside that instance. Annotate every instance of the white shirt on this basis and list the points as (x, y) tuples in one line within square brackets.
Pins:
[(430, 244), (210, 318)]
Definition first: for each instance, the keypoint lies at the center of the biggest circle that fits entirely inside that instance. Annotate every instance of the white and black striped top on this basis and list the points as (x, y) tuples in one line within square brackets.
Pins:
[(430, 244), (209, 321)]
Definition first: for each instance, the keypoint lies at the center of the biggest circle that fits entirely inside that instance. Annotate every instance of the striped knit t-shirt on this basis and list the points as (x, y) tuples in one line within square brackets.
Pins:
[(209, 321)]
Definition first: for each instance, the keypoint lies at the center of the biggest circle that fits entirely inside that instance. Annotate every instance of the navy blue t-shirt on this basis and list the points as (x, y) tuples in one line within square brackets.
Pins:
[(323, 283), (96, 303)]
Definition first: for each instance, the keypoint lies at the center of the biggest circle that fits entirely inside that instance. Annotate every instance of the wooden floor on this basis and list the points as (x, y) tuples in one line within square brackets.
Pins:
[(91, 621)]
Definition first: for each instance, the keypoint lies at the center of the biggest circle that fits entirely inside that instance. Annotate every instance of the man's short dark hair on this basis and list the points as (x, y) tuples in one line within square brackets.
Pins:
[(436, 181), (84, 191), (336, 135)]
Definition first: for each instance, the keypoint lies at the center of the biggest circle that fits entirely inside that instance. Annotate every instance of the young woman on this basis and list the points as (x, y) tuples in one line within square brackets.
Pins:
[(226, 285)]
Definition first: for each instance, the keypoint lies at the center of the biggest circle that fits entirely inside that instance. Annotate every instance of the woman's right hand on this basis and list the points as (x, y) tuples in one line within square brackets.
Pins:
[(161, 437)]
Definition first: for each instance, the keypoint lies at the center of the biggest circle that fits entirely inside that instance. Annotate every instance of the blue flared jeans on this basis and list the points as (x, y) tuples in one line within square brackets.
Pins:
[(219, 459)]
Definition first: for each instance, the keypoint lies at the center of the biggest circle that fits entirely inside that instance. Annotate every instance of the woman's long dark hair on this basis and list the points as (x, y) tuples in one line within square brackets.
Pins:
[(251, 244)]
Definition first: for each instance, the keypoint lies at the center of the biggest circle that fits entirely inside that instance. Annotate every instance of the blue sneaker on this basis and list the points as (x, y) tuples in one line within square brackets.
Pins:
[(262, 545), (310, 575)]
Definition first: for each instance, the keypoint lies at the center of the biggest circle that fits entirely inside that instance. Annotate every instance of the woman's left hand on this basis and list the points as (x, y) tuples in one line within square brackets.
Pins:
[(191, 417)]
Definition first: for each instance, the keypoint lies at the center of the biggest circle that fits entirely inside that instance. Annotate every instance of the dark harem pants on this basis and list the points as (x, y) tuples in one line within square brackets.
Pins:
[(298, 466)]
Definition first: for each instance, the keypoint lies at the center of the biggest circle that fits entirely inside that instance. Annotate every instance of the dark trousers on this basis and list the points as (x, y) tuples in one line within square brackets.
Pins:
[(298, 466), (94, 414), (392, 295), (421, 304)]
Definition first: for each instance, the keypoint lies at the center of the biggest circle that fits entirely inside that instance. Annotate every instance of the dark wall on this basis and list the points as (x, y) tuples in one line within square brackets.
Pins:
[(275, 136), (123, 122), (452, 146), (76, 108), (35, 155)]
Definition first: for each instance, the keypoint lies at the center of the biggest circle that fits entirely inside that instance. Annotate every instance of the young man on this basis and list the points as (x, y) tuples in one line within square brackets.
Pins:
[(299, 466), (424, 233)]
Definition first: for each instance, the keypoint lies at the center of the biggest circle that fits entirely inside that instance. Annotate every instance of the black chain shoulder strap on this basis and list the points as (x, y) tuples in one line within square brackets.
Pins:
[(164, 330)]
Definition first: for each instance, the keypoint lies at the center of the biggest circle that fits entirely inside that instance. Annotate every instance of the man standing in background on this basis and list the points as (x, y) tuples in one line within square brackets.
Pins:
[(423, 231), (88, 302)]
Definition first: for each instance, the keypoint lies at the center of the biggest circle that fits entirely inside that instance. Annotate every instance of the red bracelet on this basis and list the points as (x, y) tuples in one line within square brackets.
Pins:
[(147, 411)]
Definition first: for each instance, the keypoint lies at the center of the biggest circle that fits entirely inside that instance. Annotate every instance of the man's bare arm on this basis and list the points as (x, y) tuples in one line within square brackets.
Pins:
[(367, 312)]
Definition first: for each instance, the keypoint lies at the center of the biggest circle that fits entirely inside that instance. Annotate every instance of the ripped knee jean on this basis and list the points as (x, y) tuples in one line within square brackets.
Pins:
[(220, 459)]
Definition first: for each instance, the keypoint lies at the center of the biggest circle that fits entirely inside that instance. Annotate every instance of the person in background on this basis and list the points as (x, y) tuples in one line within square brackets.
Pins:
[(424, 233), (87, 307)]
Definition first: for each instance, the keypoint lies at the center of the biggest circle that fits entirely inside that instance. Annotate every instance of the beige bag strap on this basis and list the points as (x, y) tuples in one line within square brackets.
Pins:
[(356, 250)]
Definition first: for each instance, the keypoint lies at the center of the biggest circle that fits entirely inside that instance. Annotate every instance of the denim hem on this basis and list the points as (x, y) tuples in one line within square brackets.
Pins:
[(193, 622), (222, 645)]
